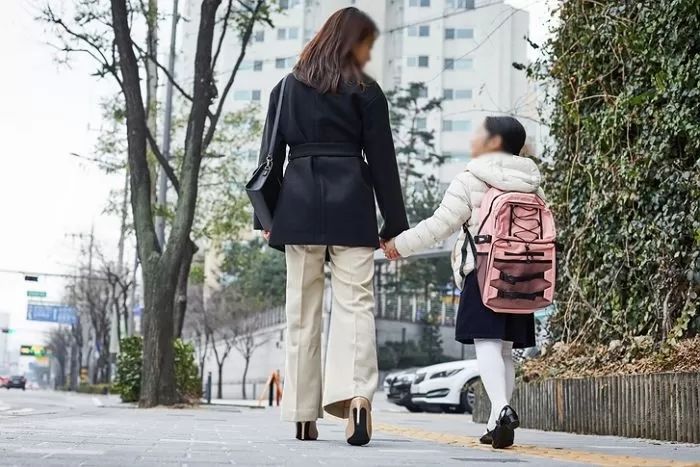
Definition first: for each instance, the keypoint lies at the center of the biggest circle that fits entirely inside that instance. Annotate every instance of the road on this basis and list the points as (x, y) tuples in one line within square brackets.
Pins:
[(44, 428)]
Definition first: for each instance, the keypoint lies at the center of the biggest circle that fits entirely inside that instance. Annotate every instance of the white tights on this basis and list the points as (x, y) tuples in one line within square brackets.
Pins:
[(495, 359)]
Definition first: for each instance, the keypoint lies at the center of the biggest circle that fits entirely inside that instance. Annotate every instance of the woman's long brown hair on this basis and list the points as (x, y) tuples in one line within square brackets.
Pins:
[(327, 61)]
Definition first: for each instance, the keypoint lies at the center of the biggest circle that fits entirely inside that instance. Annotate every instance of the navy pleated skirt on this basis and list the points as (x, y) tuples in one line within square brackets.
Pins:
[(475, 321)]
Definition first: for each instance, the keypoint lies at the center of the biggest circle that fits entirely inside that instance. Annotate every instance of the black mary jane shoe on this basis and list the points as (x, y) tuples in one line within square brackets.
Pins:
[(504, 433), (487, 438)]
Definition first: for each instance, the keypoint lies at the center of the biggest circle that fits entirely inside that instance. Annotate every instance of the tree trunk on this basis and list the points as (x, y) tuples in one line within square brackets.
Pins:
[(245, 375), (220, 383), (158, 376), (182, 282)]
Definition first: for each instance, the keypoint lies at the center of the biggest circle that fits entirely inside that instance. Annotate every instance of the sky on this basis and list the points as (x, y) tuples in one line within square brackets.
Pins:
[(47, 112)]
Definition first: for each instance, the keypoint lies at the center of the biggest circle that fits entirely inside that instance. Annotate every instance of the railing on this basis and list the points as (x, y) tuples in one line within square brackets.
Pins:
[(408, 308), (415, 308)]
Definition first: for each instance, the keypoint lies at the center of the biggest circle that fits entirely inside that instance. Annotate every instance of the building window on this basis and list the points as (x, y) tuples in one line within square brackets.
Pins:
[(458, 64), (457, 156), (459, 33), (247, 95), (421, 91), (456, 125), (462, 4), (421, 61), (423, 3), (456, 94), (259, 36), (287, 33), (308, 35), (287, 4), (421, 123), (286, 62), (246, 65), (257, 65), (419, 31)]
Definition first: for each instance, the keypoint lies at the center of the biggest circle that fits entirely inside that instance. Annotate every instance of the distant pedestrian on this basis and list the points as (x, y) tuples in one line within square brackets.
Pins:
[(495, 164), (335, 120)]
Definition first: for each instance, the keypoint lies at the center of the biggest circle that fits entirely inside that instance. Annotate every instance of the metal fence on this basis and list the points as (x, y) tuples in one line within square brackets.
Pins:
[(662, 406)]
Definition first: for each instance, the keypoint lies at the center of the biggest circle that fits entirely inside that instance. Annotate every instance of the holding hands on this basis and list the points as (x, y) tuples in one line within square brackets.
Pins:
[(390, 251)]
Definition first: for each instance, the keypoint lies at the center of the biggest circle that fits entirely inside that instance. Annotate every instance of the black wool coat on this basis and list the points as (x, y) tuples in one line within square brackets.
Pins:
[(328, 189)]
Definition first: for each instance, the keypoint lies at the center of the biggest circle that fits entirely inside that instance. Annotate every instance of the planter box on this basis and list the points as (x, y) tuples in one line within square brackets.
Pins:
[(662, 406)]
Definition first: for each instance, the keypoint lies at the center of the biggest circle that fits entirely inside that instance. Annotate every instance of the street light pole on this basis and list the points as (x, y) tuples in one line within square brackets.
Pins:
[(167, 124)]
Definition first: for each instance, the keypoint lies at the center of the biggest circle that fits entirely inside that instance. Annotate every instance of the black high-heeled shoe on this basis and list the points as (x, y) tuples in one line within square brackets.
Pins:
[(487, 438), (307, 431), (504, 433)]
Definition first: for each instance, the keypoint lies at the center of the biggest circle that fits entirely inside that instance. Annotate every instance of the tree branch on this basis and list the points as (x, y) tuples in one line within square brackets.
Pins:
[(224, 29), (167, 168), (165, 71), (102, 59), (245, 39)]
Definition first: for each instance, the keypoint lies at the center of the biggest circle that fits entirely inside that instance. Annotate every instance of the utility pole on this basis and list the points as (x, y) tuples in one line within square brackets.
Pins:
[(167, 124)]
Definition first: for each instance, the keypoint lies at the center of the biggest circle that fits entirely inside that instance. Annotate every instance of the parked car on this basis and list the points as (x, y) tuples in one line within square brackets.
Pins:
[(17, 381), (446, 387), (397, 387)]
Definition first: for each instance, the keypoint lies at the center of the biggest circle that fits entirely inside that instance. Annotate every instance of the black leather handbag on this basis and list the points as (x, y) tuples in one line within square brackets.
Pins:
[(263, 188)]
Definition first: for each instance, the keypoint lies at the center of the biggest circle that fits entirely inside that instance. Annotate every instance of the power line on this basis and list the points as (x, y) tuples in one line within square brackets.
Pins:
[(482, 42), (438, 18)]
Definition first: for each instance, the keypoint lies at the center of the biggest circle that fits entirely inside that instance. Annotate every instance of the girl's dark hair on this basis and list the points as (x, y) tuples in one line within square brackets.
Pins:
[(327, 61), (510, 130)]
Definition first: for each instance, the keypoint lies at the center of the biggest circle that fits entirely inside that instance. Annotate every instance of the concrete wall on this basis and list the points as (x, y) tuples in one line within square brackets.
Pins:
[(269, 356)]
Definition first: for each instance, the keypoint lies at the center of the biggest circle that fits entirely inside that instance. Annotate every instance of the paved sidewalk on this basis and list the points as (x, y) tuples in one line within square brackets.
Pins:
[(48, 429)]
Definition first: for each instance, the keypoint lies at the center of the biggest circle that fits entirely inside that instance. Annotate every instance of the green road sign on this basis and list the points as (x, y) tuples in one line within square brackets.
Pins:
[(36, 294)]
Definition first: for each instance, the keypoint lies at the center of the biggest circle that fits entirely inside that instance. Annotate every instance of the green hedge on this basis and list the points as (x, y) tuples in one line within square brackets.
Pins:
[(130, 362), (623, 169)]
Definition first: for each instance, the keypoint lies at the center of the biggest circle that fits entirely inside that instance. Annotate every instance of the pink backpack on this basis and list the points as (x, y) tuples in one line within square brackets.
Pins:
[(514, 251)]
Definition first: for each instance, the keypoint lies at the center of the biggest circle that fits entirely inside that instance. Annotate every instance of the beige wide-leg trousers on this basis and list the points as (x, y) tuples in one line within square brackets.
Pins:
[(351, 362)]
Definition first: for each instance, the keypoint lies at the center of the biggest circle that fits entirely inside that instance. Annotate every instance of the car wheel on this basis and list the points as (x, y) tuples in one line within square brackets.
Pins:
[(414, 408), (467, 396)]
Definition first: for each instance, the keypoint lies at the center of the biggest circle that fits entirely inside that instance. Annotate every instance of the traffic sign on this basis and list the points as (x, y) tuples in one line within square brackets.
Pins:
[(61, 314), (36, 293), (32, 350)]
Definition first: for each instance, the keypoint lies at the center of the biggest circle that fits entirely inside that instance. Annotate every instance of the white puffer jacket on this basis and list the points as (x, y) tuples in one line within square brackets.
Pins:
[(462, 201)]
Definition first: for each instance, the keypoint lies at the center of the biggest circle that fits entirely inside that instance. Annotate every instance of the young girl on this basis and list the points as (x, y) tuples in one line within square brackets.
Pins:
[(495, 164)]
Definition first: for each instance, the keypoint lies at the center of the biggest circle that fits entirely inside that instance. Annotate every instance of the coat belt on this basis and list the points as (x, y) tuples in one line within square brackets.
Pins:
[(325, 149)]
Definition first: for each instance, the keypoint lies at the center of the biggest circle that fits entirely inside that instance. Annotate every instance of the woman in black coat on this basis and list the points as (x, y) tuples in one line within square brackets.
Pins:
[(335, 121)]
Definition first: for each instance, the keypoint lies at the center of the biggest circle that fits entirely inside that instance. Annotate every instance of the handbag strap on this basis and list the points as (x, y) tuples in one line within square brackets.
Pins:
[(273, 137)]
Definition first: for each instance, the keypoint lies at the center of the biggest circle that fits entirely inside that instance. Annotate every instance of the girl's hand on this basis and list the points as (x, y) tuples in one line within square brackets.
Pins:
[(390, 250), (266, 235)]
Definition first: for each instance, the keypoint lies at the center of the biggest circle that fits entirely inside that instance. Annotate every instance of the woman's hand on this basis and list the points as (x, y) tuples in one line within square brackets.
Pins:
[(266, 235), (390, 250)]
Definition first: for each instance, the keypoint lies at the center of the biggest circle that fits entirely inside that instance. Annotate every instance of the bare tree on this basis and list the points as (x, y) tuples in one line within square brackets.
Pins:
[(246, 341), (195, 329), (103, 30), (60, 343)]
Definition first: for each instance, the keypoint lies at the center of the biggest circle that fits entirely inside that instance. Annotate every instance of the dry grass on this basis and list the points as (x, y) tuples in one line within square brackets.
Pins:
[(638, 357)]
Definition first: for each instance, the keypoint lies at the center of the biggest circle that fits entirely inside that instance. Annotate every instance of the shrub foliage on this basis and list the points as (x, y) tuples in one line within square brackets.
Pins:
[(130, 363)]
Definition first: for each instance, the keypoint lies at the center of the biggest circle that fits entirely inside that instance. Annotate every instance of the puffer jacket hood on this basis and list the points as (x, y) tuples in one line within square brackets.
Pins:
[(506, 172)]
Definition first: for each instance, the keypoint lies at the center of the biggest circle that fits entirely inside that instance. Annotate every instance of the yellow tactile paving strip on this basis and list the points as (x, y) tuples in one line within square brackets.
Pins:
[(570, 455)]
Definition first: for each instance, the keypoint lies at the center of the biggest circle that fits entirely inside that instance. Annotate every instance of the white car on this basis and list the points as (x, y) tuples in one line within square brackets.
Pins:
[(447, 387)]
